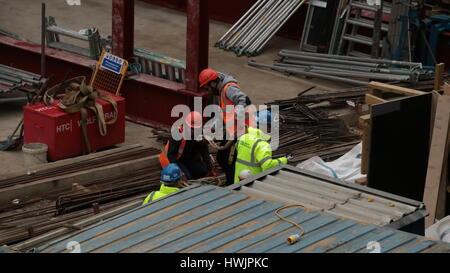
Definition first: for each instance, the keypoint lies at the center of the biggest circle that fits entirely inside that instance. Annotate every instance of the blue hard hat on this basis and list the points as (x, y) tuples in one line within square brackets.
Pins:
[(171, 173), (264, 117)]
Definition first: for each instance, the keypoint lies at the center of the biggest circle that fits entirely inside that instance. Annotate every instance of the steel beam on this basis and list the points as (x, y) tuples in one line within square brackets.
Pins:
[(123, 28), (196, 41)]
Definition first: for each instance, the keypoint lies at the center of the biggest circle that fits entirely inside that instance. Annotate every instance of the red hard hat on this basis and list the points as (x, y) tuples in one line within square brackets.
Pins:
[(207, 75), (194, 119)]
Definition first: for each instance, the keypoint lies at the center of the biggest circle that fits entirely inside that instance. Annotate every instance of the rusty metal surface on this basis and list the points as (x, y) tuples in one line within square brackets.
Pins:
[(123, 28), (205, 218), (293, 185)]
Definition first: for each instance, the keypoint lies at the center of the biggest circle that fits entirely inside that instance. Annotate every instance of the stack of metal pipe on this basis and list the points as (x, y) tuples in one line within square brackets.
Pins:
[(259, 24), (13, 79), (353, 70)]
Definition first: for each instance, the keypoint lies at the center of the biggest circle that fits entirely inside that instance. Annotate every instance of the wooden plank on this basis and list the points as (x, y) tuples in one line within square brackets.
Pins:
[(364, 123), (438, 73), (394, 89), (434, 101), (372, 99), (438, 152), (35, 188)]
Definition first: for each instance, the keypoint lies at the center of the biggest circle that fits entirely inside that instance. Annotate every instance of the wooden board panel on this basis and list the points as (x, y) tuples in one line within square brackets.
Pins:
[(434, 192)]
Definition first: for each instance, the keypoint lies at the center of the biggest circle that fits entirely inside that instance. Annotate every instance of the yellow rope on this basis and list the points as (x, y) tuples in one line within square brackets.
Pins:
[(293, 238)]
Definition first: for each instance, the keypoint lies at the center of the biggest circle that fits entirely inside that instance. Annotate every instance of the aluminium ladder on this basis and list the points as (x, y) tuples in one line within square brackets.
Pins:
[(357, 20)]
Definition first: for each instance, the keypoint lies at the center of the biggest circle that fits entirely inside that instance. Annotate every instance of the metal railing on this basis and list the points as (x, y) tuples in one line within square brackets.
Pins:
[(160, 66)]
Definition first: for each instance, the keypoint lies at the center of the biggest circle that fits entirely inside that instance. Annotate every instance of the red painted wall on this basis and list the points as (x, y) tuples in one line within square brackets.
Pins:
[(231, 10)]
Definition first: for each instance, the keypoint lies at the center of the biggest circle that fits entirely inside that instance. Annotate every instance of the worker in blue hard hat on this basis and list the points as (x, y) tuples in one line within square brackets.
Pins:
[(254, 153), (170, 177)]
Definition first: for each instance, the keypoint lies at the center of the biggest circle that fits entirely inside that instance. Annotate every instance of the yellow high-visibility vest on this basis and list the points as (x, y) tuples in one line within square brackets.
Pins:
[(163, 191), (254, 153)]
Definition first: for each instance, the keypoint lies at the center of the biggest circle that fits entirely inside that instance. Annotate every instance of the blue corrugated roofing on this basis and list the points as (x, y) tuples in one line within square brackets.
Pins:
[(212, 219)]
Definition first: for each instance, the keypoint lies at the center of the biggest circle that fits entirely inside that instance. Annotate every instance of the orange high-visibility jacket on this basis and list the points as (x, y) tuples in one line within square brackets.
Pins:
[(229, 116)]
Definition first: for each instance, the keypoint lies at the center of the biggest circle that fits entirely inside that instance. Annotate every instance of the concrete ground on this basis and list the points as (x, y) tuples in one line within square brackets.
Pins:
[(158, 29)]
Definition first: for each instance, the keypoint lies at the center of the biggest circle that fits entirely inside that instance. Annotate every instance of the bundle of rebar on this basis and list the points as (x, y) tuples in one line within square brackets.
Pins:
[(353, 70), (48, 211), (258, 25), (92, 163), (307, 127)]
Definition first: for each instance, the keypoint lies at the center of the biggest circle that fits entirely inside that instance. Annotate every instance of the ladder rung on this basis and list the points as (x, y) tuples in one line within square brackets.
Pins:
[(366, 23), (68, 33), (360, 39), (70, 48), (365, 6)]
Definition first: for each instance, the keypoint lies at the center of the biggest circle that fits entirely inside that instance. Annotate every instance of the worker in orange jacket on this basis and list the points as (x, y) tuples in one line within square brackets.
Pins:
[(226, 88), (191, 156)]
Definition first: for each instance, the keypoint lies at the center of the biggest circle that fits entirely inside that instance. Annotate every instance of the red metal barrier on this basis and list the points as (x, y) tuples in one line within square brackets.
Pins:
[(149, 100)]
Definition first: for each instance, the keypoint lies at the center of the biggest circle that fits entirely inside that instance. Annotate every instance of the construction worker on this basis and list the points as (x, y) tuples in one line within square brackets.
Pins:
[(192, 156), (170, 176), (253, 150), (226, 88)]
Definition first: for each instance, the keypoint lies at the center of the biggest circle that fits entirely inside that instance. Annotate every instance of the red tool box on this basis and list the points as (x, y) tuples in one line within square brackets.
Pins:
[(62, 131)]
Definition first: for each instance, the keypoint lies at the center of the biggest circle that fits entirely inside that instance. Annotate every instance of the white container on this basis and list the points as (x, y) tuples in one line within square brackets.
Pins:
[(35, 153), (440, 230)]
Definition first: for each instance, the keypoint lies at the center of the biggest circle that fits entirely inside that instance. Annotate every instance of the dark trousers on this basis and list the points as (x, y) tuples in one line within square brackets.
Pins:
[(193, 169), (223, 160)]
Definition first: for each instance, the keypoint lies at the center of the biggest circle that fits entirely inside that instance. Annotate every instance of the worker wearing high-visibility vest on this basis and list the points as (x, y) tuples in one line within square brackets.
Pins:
[(170, 176), (253, 150), (191, 156), (225, 87)]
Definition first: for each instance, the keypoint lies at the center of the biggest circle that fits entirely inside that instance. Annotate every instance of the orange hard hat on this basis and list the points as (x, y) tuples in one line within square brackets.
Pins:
[(207, 75), (194, 119)]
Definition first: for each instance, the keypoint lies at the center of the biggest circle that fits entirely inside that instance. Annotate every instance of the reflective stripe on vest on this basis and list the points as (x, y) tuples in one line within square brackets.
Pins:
[(224, 101), (252, 162), (229, 116)]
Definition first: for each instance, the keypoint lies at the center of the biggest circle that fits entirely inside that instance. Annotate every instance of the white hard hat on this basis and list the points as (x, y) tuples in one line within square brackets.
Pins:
[(244, 174)]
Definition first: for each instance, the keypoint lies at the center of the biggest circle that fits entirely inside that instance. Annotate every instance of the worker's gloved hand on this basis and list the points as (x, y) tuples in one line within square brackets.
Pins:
[(289, 156), (212, 173)]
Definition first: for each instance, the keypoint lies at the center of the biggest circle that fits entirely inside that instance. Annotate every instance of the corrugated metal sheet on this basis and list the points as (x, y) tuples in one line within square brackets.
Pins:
[(213, 219), (288, 184)]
